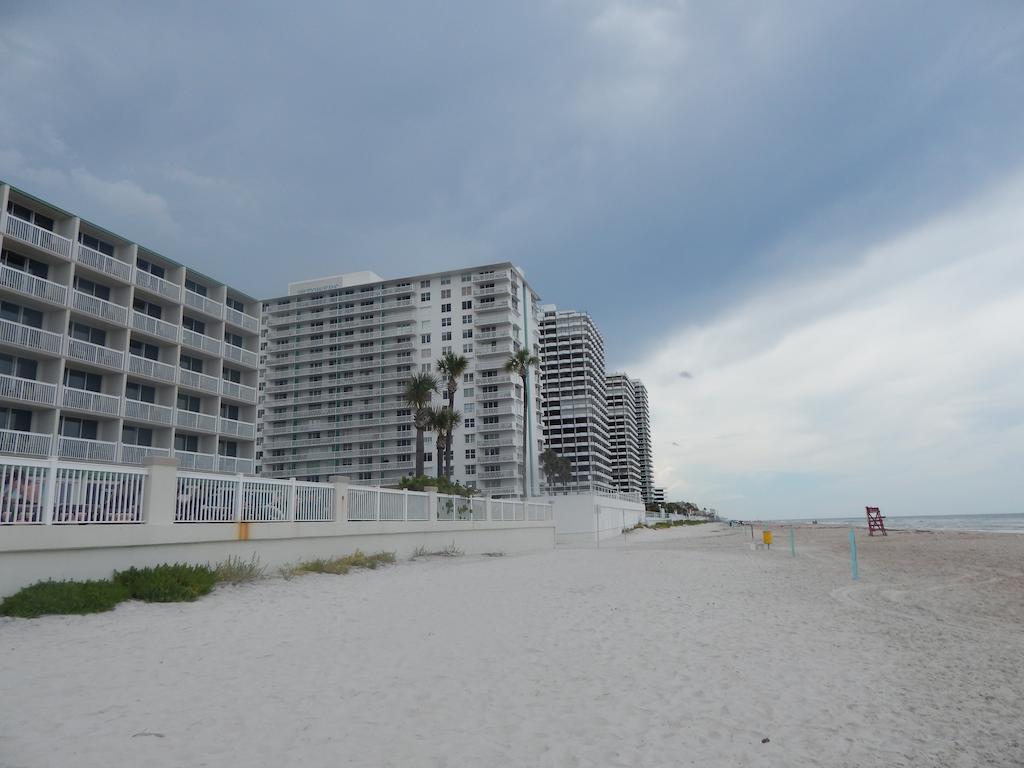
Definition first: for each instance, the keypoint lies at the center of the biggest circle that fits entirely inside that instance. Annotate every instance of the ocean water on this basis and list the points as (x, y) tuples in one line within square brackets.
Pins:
[(1012, 523)]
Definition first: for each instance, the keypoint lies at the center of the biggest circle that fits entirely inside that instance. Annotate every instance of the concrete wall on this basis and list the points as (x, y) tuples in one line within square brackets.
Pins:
[(586, 518), (32, 553)]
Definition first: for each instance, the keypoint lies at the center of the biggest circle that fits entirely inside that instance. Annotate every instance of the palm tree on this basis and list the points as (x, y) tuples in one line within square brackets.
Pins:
[(442, 422), (418, 391), (451, 367), (520, 364)]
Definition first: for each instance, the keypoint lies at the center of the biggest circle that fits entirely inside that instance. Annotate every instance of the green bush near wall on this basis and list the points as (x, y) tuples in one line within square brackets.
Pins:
[(48, 597), (167, 583)]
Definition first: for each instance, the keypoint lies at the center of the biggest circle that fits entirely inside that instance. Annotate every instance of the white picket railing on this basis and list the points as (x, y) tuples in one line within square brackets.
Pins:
[(45, 492), (205, 498), (39, 237), (108, 265), (372, 504)]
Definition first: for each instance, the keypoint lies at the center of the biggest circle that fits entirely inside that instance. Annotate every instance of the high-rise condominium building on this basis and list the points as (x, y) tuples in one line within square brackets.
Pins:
[(574, 395), (623, 434), (643, 428), (340, 350), (111, 352)]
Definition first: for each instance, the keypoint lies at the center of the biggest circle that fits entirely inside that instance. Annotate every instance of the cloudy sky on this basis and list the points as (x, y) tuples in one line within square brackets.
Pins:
[(802, 223)]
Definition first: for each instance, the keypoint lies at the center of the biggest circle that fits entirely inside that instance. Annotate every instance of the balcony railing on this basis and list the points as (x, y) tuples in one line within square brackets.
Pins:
[(100, 262), (20, 335), (492, 306), (198, 381), (142, 411), (86, 450), (483, 350), (200, 341), (484, 277), (28, 390), (235, 465), (27, 443), (152, 369), (37, 236), (155, 327), (204, 304), (157, 285), (239, 355), (243, 429), (136, 454), (94, 402), (241, 320), (30, 285), (241, 392), (191, 460), (107, 310), (194, 420), (87, 352)]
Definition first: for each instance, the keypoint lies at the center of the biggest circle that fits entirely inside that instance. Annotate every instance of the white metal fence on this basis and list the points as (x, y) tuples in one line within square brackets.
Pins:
[(369, 504), (51, 492)]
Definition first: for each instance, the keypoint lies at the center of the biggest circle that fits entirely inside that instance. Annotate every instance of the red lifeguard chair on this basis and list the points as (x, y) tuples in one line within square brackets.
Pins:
[(875, 521)]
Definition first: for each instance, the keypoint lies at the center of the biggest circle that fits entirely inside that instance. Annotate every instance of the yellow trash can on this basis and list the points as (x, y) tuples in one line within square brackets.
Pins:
[(767, 537)]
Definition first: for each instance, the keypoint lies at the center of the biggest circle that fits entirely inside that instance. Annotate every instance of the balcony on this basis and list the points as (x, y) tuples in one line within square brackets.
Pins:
[(486, 277), (103, 264), (105, 310), (93, 402), (198, 381), (241, 320), (41, 238), (239, 355), (204, 304), (143, 366), (86, 450), (151, 412), (492, 290), (155, 327), (201, 342), (157, 285), (36, 287), (238, 391), (505, 349), (494, 306), (25, 443), (136, 454), (235, 465), (243, 429), (190, 460), (18, 335), (105, 357), (193, 420), (27, 390)]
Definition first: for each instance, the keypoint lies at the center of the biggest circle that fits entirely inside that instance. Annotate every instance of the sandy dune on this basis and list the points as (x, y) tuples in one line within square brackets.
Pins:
[(681, 647)]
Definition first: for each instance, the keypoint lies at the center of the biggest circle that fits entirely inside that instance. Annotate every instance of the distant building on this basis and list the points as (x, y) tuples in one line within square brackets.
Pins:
[(575, 408), (338, 352), (629, 433), (643, 427), (659, 495), (111, 352)]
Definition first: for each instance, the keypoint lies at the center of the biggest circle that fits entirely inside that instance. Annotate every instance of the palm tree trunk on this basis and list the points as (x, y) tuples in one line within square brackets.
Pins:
[(440, 458), (525, 433), (448, 455), (419, 451)]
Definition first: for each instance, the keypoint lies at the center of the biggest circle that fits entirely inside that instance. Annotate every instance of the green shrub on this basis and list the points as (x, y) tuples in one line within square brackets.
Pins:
[(342, 565), (47, 597), (236, 570), (167, 583), (443, 485)]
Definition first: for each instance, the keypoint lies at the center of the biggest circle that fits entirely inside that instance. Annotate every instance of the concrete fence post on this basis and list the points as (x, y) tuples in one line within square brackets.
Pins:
[(431, 502), (161, 498), (49, 490), (293, 498), (340, 483), (239, 488)]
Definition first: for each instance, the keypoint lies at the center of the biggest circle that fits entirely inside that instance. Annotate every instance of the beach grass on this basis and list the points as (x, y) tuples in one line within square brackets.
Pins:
[(342, 565)]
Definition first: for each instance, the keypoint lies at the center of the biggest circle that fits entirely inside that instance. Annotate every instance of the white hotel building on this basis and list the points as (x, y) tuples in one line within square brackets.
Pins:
[(575, 397), (338, 352), (110, 352)]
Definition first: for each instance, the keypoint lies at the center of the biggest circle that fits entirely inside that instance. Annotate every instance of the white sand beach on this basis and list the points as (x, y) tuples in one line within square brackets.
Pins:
[(678, 648)]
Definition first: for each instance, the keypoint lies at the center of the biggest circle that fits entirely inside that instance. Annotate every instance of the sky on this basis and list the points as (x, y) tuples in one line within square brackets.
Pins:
[(797, 222)]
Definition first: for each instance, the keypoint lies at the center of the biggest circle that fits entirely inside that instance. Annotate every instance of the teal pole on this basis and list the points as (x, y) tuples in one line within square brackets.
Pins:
[(853, 556), (792, 542)]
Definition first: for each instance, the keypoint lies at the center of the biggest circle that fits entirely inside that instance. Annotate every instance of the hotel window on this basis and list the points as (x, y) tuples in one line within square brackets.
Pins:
[(232, 374), (154, 269), (446, 322), (469, 439), (27, 214), (467, 304), (235, 304), (233, 339), (93, 289), (189, 403), (425, 338), (446, 307), (141, 392), (84, 332), (466, 278), (446, 293), (471, 469), (22, 367), (467, 333), (467, 348), (187, 443), (424, 283), (192, 285), (24, 264), (146, 308), (471, 453), (84, 429), (467, 377), (196, 326), (469, 423), (446, 336), (90, 382), (467, 291), (16, 419), (193, 364), (141, 349), (136, 436), (446, 350), (18, 314), (425, 296), (229, 411), (467, 319), (227, 448)]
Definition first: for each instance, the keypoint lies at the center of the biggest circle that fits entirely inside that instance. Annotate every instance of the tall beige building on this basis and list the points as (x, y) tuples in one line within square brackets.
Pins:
[(339, 350), (112, 352)]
